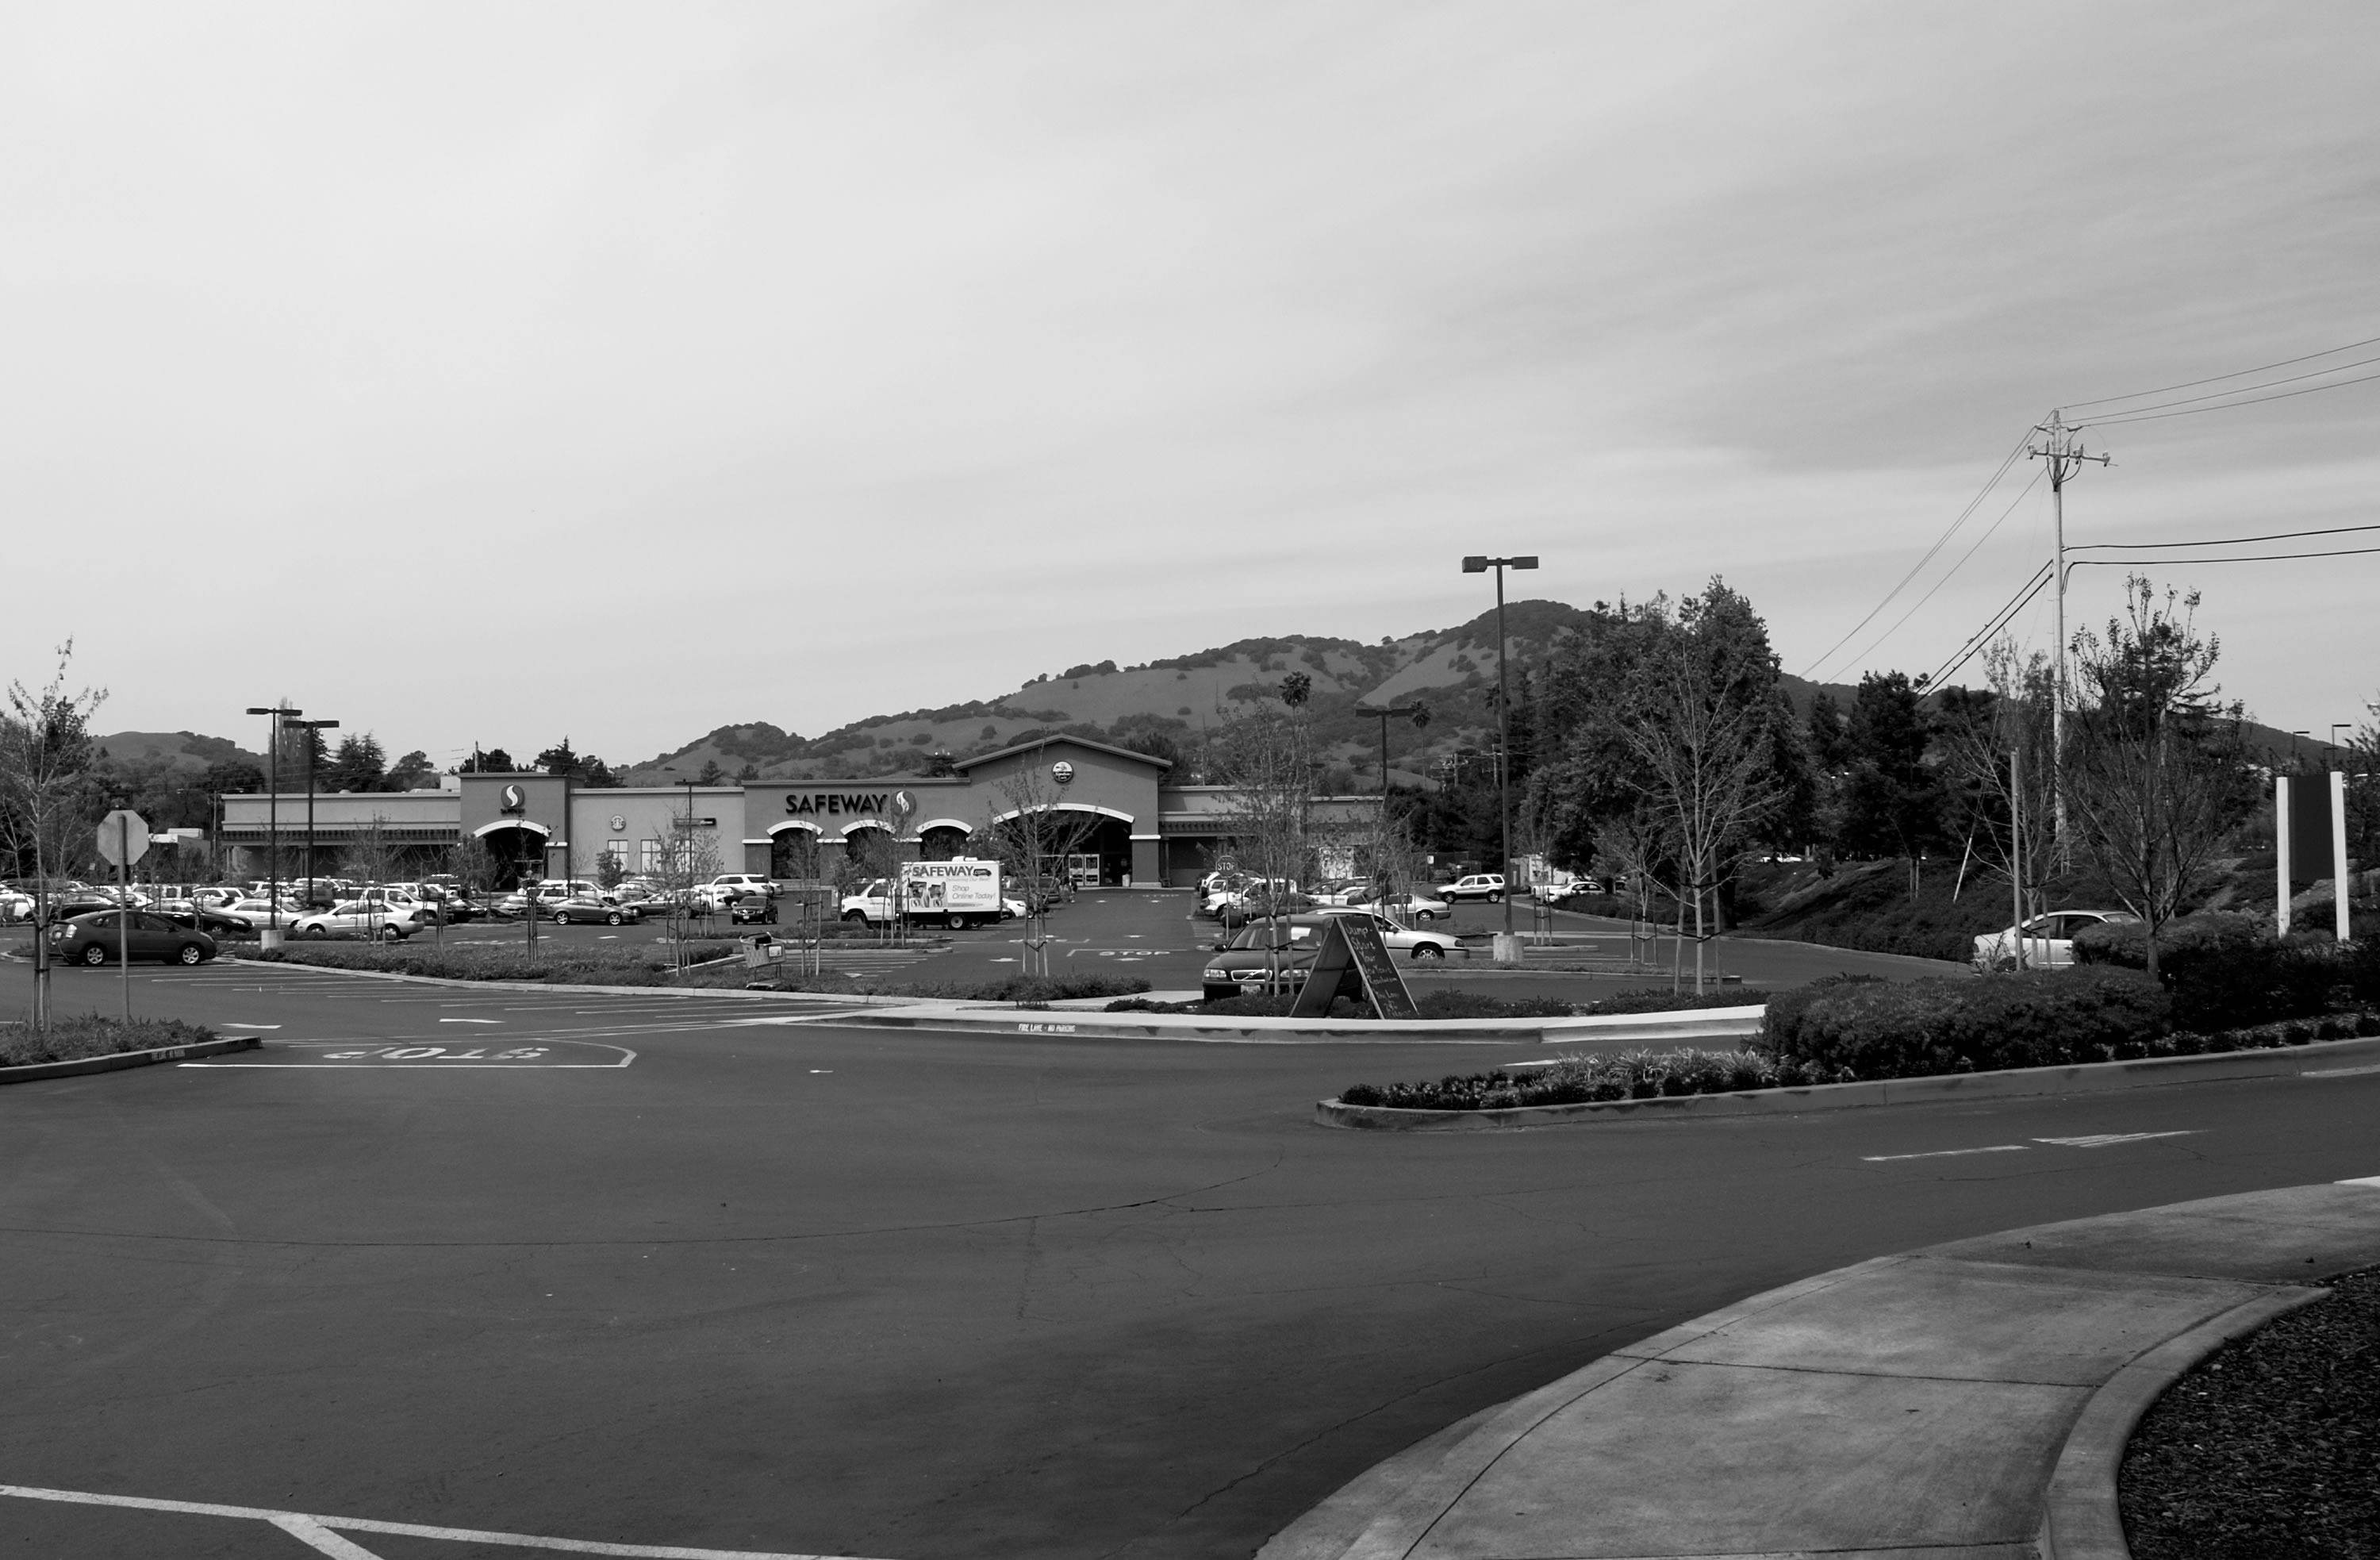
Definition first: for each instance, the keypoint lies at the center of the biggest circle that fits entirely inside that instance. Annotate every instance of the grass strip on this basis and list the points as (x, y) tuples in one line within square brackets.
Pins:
[(79, 1037)]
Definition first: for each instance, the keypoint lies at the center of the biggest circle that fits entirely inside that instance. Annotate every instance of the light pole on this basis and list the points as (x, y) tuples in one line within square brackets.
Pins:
[(271, 936), (310, 727), (1508, 945)]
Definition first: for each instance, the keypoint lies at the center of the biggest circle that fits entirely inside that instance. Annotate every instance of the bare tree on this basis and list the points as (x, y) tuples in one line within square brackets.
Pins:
[(2008, 806), (46, 805), (1030, 828), (2156, 778)]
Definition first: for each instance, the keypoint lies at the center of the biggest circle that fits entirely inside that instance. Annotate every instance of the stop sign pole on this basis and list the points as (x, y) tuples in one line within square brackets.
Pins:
[(124, 839)]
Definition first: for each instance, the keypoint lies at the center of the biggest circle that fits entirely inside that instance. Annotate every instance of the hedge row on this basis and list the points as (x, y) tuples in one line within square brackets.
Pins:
[(1644, 1075), (1870, 1028), (2226, 969)]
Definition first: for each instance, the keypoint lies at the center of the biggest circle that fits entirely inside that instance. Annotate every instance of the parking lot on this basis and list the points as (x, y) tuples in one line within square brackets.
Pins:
[(670, 1274)]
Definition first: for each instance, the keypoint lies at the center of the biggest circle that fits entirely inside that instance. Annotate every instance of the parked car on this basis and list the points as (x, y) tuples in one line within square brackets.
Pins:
[(592, 908), (2048, 939), (93, 939), (1276, 956), (1570, 895), (751, 909), (369, 918), (203, 918), (1408, 906), (1403, 939), (15, 906), (259, 913), (1473, 885), (1259, 906), (1337, 891)]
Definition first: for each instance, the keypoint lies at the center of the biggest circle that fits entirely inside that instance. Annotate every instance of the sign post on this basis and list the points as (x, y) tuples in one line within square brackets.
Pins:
[(124, 839)]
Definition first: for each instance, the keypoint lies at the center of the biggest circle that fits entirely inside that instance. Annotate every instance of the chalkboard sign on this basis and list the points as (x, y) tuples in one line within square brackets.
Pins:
[(1352, 961)]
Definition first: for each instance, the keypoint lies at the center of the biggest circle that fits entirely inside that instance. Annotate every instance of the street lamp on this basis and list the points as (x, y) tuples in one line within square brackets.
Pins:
[(271, 937), (309, 727), (1508, 945)]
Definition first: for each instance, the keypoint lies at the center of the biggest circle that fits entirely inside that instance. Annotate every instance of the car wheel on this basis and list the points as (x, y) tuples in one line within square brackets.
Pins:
[(561, 917), (955, 921), (854, 915), (190, 953), (615, 919), (1424, 915), (1495, 896), (1428, 950), (94, 956)]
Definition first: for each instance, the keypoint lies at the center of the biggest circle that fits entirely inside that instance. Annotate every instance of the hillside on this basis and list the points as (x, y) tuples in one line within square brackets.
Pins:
[(1166, 705), (181, 749), (1171, 702)]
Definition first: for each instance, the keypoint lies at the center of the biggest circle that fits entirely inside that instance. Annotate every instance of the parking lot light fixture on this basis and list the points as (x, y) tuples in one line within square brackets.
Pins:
[(280, 713), (1509, 944), (310, 727)]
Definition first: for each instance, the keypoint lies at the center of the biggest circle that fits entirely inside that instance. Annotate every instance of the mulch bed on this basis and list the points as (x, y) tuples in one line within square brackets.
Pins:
[(2270, 1449)]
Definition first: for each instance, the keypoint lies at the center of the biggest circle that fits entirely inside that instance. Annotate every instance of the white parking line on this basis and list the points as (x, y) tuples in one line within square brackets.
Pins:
[(2099, 1140), (319, 1530), (1943, 1153)]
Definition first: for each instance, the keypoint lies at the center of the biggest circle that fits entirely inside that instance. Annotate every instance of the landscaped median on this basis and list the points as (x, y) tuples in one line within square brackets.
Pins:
[(88, 1042), (1856, 1040)]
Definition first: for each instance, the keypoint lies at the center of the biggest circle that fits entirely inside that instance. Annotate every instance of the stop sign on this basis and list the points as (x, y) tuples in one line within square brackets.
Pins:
[(123, 837)]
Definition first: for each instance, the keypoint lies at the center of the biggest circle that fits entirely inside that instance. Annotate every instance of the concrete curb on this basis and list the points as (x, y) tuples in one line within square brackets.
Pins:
[(2133, 1299), (2080, 1518), (2289, 1061), (551, 986), (33, 1072), (1730, 1024)]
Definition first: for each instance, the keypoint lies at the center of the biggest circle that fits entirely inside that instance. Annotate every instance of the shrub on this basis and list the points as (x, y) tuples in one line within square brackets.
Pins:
[(1871, 1029), (1661, 999), (1781, 1027), (1039, 988), (2225, 969)]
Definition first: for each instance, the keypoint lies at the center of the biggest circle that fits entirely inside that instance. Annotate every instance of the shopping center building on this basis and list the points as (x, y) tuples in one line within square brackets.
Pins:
[(1136, 829)]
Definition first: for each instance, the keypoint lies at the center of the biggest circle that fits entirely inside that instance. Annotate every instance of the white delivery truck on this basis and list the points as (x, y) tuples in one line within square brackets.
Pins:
[(952, 894)]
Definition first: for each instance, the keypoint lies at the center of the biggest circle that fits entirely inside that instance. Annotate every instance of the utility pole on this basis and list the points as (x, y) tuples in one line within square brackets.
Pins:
[(2063, 451)]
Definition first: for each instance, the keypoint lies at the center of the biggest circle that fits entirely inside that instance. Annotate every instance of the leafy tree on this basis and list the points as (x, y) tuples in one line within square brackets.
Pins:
[(712, 774), (412, 773), (1892, 804), (493, 760), (586, 769), (2007, 812), (360, 764), (233, 777)]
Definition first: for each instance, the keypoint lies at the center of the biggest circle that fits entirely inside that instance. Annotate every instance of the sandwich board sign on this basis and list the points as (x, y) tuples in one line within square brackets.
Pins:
[(1352, 961)]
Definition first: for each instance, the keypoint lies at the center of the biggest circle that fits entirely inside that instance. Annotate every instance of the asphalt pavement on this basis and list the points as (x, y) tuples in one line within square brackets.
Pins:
[(633, 1269)]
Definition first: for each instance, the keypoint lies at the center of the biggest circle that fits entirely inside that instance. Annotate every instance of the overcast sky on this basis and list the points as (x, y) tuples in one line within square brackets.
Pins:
[(489, 372)]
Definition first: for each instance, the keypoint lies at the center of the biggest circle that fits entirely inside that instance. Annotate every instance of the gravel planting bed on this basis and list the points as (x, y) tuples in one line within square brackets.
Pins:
[(2270, 1449)]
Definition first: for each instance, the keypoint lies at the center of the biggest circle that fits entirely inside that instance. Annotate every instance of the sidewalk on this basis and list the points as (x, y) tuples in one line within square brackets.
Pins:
[(1722, 1027), (1967, 1401)]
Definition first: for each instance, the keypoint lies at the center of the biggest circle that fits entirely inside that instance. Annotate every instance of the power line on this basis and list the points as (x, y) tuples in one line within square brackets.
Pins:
[(1954, 568), (1993, 625), (2194, 411), (1973, 505), (2221, 541), (2237, 374), (2251, 558), (2244, 389)]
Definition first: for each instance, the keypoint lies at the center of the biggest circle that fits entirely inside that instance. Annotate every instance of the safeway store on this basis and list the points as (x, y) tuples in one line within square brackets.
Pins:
[(1132, 827)]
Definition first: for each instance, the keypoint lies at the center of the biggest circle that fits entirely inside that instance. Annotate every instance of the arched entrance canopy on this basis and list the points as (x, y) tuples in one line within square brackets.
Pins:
[(1064, 807), (484, 830)]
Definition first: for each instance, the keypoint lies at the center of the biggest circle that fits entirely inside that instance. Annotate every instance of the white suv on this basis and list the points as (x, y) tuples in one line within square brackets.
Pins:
[(1477, 885), (722, 891)]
